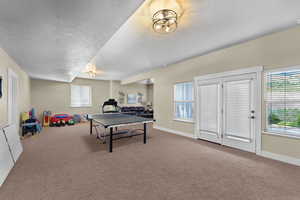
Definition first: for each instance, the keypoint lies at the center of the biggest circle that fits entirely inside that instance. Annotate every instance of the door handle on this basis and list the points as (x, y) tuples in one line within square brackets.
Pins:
[(252, 114)]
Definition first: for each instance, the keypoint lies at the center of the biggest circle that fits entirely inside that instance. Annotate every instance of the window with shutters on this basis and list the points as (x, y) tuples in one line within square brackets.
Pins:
[(81, 96), (183, 101), (282, 97)]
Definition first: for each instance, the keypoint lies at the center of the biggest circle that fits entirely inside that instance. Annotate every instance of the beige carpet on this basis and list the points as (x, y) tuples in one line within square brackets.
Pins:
[(69, 164)]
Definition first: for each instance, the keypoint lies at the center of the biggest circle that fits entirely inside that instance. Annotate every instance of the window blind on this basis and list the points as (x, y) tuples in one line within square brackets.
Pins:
[(209, 107), (282, 98), (80, 96), (184, 100), (237, 97)]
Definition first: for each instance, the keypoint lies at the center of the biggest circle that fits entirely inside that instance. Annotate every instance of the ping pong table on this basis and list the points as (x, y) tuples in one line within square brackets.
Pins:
[(115, 120)]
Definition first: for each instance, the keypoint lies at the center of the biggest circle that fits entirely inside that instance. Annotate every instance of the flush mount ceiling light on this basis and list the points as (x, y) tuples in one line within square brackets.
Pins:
[(165, 21), (165, 15), (91, 70)]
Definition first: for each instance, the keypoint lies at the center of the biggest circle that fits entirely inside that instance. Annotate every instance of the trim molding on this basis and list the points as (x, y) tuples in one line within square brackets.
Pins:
[(266, 154), (281, 69), (282, 158), (242, 71), (219, 78), (189, 135)]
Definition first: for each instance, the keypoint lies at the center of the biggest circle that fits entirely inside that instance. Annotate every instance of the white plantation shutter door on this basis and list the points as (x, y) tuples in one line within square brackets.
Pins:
[(237, 100), (80, 95), (227, 110), (283, 101), (209, 108)]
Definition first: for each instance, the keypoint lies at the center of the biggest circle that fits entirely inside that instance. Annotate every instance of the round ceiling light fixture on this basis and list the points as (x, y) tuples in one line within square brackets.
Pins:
[(165, 21), (91, 70)]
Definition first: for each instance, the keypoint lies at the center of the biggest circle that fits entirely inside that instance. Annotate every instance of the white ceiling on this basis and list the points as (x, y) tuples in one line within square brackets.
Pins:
[(56, 39), (206, 25)]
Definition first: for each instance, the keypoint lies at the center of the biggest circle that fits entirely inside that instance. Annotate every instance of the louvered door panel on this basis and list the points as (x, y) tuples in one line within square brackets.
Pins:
[(209, 111), (237, 109)]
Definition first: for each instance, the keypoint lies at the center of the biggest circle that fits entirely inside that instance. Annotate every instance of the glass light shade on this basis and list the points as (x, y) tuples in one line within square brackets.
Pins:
[(91, 69), (157, 5), (165, 21)]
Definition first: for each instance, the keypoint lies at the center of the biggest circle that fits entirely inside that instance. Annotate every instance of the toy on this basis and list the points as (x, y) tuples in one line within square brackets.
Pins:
[(71, 122), (60, 120), (46, 118), (58, 124), (30, 123), (53, 124), (77, 118), (25, 116)]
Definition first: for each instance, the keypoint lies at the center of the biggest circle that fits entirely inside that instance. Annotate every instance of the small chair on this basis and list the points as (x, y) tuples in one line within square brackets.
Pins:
[(29, 123)]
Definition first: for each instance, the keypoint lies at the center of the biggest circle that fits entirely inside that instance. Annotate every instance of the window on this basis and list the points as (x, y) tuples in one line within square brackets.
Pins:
[(131, 99), (282, 99), (184, 101), (81, 96)]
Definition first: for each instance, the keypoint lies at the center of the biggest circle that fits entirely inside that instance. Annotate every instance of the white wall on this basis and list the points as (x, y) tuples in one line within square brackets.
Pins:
[(273, 51), (55, 96), (132, 88), (24, 97), (150, 93)]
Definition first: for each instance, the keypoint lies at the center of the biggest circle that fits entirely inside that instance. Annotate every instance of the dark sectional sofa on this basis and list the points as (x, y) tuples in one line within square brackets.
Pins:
[(137, 110)]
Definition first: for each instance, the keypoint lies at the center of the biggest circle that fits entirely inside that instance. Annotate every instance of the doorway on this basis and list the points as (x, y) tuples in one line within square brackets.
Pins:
[(12, 130), (228, 109), (13, 110)]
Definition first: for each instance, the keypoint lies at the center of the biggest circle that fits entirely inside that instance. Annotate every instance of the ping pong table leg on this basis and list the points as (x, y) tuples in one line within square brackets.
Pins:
[(91, 126), (145, 133), (111, 140)]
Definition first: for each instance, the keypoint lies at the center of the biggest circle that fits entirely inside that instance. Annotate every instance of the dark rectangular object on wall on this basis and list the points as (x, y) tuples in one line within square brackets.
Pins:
[(0, 86)]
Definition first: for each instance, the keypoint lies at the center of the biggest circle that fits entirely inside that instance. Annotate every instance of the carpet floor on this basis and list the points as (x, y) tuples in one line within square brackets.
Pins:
[(69, 164)]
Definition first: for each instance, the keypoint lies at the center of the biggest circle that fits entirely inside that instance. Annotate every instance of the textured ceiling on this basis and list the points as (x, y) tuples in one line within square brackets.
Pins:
[(55, 39), (205, 26)]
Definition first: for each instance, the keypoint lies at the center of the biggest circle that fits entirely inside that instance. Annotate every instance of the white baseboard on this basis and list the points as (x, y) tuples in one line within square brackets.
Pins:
[(266, 154), (282, 158), (174, 131)]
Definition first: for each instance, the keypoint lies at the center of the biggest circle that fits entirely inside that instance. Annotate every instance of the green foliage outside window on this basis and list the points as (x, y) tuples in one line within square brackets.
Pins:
[(283, 96), (274, 119)]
